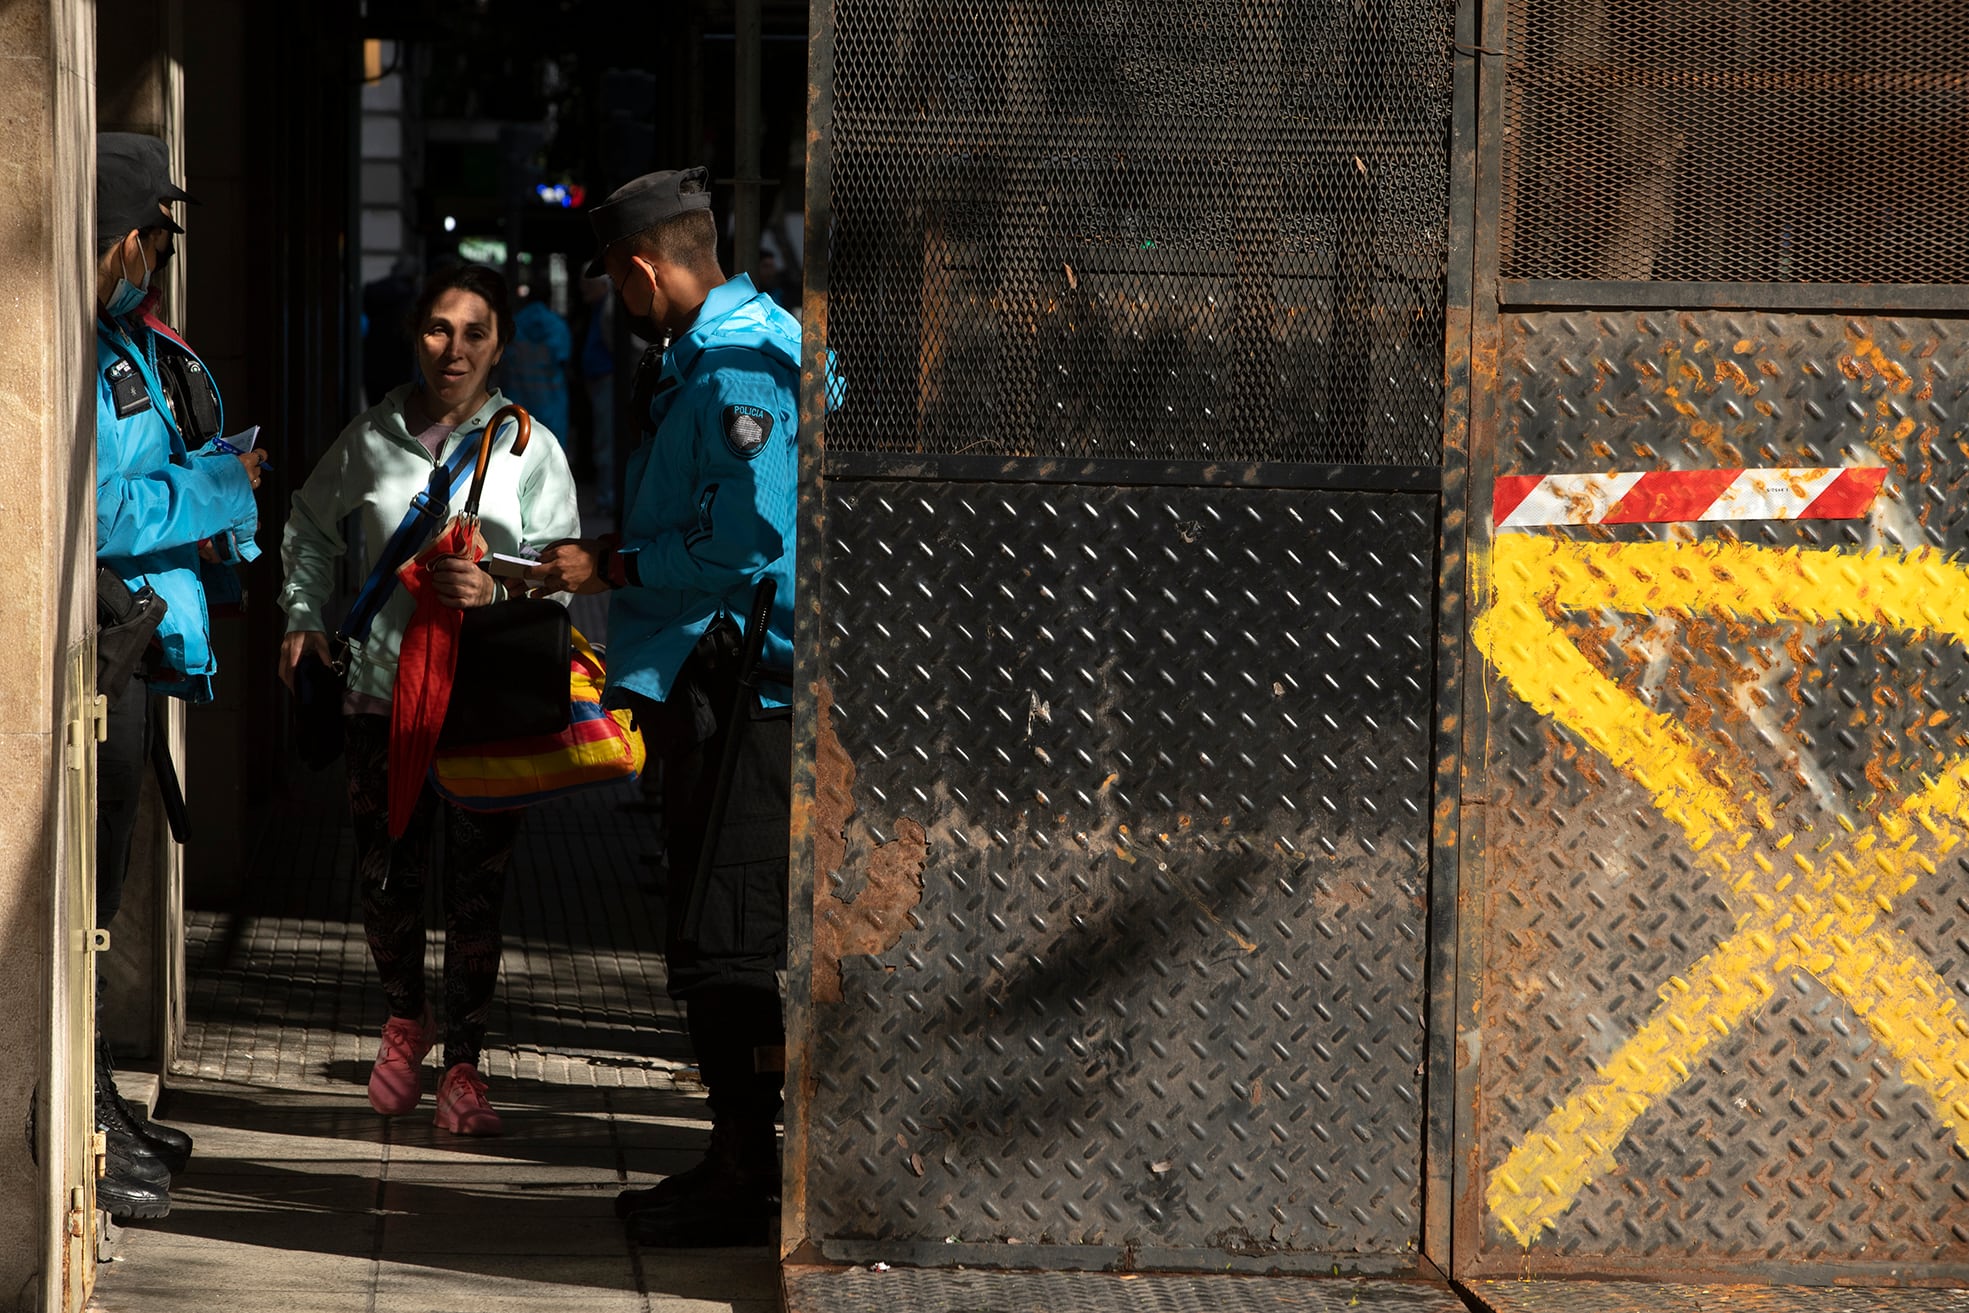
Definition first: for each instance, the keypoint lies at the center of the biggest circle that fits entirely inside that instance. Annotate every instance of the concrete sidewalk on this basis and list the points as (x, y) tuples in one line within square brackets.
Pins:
[(301, 1198)]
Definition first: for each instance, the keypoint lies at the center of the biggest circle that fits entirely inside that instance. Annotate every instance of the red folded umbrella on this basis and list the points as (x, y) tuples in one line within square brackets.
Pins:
[(428, 660)]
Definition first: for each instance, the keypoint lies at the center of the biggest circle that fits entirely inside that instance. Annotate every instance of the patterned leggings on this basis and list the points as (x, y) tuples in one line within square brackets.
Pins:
[(476, 848)]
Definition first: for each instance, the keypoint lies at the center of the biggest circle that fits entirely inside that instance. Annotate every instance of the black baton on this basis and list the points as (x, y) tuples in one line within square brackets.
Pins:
[(741, 716), (167, 781)]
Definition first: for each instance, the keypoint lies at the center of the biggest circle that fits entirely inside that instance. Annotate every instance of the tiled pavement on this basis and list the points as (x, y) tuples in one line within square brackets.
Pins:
[(300, 1198)]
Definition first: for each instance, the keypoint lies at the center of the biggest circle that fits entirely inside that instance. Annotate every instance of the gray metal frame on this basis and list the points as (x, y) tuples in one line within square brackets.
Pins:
[(1450, 840), (1468, 832), (1131, 473), (808, 630)]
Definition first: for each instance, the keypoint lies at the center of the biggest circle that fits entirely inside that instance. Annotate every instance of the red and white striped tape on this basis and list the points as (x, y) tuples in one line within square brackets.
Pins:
[(1658, 496)]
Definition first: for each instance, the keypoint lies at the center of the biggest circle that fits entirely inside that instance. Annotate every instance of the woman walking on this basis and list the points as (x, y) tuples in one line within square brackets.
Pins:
[(460, 325)]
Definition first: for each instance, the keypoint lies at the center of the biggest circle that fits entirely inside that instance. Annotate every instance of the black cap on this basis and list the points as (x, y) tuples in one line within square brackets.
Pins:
[(133, 178), (645, 202), (154, 149)]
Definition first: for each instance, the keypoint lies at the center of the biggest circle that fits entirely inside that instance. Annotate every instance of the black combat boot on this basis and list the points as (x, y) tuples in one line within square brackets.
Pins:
[(732, 1196), (130, 1201), (114, 1111), (130, 1161), (715, 1221), (742, 1161)]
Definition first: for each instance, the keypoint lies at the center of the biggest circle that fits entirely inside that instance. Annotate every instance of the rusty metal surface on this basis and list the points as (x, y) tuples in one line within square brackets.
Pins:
[(1718, 1025), (1074, 228), (1759, 141), (1648, 1297), (1121, 825), (1452, 684), (859, 1290), (808, 626)]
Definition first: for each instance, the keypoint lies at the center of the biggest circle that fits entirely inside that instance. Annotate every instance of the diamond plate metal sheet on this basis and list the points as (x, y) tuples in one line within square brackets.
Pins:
[(1648, 1297), (1162, 757), (863, 1291), (1746, 1099)]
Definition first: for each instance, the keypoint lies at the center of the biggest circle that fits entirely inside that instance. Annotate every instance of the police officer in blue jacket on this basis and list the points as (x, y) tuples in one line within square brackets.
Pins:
[(709, 513), (157, 499)]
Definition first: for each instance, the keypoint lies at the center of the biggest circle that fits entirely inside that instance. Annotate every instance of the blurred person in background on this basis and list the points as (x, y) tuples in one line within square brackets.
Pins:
[(598, 379), (387, 359), (533, 372)]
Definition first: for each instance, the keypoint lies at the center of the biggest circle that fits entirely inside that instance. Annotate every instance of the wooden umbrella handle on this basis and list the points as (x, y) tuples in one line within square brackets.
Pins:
[(525, 421)]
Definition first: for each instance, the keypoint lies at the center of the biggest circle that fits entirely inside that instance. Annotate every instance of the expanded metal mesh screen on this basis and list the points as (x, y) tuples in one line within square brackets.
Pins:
[(1809, 141), (1093, 228)]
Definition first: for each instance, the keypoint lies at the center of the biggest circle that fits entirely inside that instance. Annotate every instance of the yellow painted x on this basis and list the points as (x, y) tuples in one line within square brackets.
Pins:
[(1817, 911)]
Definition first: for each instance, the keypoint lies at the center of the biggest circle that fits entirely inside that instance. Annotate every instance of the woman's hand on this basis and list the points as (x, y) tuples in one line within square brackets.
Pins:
[(461, 584), (300, 643)]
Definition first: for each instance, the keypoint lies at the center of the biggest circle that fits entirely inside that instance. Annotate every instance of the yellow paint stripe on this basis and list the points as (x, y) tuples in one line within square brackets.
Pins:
[(1902, 999), (1545, 669), (1540, 1179), (1920, 590)]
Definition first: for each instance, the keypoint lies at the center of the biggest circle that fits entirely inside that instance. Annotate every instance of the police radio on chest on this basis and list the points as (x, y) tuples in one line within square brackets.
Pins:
[(188, 386)]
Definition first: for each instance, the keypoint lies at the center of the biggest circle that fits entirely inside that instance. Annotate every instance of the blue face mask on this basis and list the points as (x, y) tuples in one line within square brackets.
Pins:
[(128, 296)]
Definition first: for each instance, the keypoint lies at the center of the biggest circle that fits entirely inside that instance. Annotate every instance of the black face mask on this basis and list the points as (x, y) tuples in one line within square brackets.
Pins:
[(641, 325), (164, 259)]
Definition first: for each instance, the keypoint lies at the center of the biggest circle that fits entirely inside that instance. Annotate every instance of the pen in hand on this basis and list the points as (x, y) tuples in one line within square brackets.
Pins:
[(221, 445)]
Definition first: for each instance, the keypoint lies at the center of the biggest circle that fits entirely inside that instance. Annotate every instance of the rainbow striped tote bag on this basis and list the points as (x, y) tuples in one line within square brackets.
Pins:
[(598, 747)]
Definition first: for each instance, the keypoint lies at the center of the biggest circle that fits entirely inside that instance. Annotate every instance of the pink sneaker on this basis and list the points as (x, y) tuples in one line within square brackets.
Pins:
[(462, 1106), (396, 1082)]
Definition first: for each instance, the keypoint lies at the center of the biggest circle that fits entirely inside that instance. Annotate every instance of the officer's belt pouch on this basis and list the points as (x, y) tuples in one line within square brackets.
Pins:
[(126, 622)]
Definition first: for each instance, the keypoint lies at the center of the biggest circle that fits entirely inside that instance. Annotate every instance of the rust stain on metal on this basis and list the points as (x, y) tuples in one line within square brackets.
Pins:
[(873, 920), (1736, 374)]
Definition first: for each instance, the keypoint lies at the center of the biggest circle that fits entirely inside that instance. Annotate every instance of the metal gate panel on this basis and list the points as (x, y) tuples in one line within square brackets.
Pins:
[(1083, 229), (1652, 1297), (1721, 952), (814, 1290), (1123, 418), (1734, 142), (1121, 835)]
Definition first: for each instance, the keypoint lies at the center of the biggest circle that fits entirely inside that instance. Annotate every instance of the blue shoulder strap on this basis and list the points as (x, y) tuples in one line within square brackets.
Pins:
[(429, 510)]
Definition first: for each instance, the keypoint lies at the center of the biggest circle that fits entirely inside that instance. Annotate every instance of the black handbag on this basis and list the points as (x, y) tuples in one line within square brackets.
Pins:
[(318, 690), (511, 681), (125, 624)]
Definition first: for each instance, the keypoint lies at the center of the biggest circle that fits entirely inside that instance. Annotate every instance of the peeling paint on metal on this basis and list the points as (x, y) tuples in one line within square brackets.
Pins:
[(873, 919)]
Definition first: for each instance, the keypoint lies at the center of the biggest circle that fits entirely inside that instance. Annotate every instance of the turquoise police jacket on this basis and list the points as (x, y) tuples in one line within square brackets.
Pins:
[(711, 493), (156, 501)]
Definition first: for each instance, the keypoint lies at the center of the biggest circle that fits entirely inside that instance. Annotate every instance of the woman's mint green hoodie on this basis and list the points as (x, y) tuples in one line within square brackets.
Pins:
[(373, 470)]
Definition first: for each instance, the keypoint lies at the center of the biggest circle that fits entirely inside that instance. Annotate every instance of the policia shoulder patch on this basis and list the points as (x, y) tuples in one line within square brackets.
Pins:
[(746, 430), (126, 389)]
